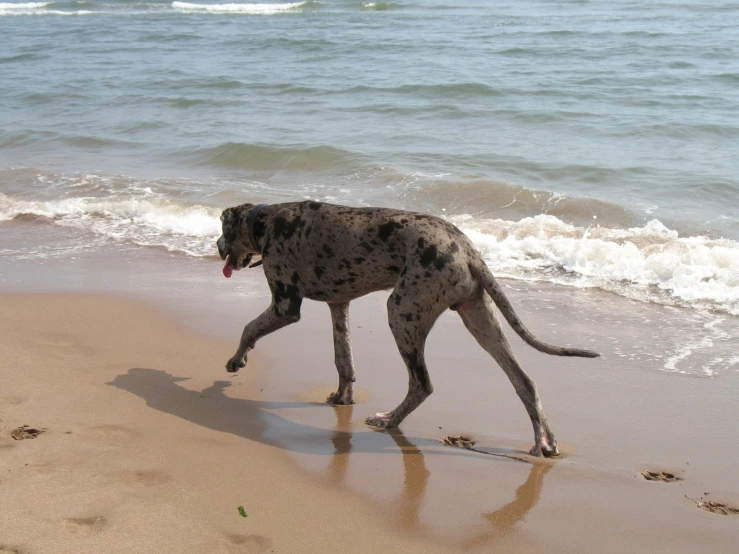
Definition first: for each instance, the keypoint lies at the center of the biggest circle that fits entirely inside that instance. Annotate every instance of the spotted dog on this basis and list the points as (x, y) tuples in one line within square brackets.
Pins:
[(336, 254)]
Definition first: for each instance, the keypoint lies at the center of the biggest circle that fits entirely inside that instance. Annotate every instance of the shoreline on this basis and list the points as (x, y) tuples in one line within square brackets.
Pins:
[(322, 465)]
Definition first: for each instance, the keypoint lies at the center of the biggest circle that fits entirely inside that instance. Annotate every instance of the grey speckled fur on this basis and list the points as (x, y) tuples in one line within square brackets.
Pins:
[(336, 254)]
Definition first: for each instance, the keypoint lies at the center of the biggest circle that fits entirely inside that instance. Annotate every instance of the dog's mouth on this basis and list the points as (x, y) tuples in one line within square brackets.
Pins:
[(232, 265)]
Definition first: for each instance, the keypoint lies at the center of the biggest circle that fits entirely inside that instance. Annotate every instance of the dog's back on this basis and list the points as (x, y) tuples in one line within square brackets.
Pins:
[(361, 250)]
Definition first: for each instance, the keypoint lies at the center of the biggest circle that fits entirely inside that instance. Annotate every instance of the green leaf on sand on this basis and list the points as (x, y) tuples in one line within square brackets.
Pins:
[(242, 511)]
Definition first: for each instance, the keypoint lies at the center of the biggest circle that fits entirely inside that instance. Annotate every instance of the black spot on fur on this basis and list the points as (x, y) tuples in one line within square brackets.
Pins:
[(295, 278), (386, 229), (366, 246), (280, 224), (453, 247), (318, 271), (421, 243), (314, 205), (328, 250), (260, 227), (286, 229), (287, 300), (359, 260), (441, 261), (398, 298), (393, 268), (417, 370), (429, 255)]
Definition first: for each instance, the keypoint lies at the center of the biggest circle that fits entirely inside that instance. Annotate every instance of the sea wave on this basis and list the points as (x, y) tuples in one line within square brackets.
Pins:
[(377, 6), (254, 9), (40, 9), (650, 263), (256, 157), (24, 5), (145, 220)]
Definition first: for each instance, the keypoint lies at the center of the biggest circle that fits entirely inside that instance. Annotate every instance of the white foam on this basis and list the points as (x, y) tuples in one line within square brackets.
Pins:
[(650, 263), (36, 8), (647, 263), (144, 220), (713, 334), (256, 9), (23, 6)]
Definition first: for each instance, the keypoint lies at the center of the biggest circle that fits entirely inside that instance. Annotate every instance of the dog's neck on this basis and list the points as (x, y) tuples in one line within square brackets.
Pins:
[(250, 221)]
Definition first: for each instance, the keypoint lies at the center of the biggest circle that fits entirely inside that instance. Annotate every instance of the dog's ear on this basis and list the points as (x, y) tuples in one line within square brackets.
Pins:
[(230, 224), (233, 221)]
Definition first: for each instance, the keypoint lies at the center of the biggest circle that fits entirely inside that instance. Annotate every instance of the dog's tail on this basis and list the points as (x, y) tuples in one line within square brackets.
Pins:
[(483, 275)]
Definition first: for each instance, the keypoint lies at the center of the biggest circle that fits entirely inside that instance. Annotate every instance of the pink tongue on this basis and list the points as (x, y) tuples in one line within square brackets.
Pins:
[(227, 269)]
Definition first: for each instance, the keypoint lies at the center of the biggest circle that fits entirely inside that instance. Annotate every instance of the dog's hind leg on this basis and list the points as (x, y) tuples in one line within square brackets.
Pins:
[(342, 354), (410, 321), (478, 314), (284, 310)]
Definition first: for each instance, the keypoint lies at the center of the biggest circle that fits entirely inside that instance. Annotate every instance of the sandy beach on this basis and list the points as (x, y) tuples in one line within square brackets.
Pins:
[(586, 148), (150, 446)]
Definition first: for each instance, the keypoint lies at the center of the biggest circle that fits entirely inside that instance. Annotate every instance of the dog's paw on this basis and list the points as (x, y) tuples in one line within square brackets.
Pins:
[(235, 364), (379, 420), (544, 450), (340, 399)]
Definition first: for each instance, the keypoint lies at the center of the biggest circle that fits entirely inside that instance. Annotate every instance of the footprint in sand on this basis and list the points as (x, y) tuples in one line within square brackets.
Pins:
[(25, 432), (85, 525), (715, 506), (662, 476), (461, 442), (246, 544)]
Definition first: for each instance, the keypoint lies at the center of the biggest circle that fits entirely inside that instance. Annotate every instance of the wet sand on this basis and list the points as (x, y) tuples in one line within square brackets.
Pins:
[(149, 446)]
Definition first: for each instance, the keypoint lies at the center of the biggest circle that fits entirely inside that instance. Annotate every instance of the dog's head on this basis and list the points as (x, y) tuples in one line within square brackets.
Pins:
[(234, 245)]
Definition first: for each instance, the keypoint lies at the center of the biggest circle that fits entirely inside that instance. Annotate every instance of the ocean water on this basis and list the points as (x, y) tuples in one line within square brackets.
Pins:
[(585, 143)]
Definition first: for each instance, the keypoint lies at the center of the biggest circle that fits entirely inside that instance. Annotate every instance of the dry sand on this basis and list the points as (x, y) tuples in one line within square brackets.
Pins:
[(149, 446)]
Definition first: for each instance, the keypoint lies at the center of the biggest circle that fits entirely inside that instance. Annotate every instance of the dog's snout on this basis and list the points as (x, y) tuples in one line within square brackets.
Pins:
[(221, 243)]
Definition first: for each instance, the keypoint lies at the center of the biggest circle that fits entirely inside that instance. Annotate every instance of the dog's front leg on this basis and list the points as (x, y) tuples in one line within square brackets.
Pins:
[(342, 354), (283, 311)]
